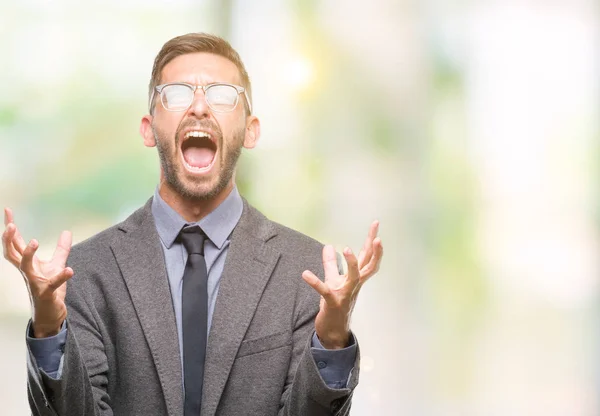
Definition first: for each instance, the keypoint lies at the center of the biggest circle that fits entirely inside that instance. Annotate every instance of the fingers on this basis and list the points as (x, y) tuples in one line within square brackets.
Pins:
[(17, 239), (316, 283), (353, 271), (359, 268), (12, 252), (373, 266), (27, 259), (8, 216), (330, 264), (58, 280), (63, 247), (367, 250)]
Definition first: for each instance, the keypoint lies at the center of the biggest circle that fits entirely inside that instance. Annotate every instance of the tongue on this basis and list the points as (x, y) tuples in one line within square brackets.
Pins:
[(198, 157)]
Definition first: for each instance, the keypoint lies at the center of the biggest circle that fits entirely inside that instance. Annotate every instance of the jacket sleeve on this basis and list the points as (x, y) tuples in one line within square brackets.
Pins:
[(81, 388)]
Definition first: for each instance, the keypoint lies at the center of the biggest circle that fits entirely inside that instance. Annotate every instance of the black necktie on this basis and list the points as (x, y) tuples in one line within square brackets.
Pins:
[(194, 316)]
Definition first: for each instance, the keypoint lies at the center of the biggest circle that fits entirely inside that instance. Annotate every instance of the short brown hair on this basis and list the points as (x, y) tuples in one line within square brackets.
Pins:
[(192, 43)]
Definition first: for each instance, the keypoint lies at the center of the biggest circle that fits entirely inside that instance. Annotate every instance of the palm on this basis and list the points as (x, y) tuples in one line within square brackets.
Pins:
[(339, 291), (45, 280), (342, 288)]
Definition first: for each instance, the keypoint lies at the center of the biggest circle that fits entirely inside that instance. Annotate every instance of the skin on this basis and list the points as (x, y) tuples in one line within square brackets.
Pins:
[(194, 195), (202, 193)]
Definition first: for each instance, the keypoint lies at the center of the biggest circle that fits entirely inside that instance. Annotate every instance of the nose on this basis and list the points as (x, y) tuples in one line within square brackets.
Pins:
[(199, 108)]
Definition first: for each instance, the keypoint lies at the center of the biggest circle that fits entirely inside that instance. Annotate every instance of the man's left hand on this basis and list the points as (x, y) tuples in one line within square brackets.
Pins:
[(339, 292)]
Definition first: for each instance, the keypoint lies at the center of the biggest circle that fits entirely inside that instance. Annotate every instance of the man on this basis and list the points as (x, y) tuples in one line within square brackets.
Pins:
[(193, 305)]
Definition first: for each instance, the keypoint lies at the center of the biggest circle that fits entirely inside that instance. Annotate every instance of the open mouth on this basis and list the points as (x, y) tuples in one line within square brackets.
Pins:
[(198, 151)]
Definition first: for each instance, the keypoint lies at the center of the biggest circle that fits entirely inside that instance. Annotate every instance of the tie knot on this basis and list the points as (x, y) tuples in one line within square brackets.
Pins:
[(193, 239)]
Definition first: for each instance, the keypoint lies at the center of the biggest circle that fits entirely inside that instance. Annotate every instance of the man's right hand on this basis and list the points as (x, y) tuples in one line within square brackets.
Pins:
[(46, 280)]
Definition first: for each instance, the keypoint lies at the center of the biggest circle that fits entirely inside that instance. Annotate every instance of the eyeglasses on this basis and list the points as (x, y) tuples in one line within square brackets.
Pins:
[(220, 97)]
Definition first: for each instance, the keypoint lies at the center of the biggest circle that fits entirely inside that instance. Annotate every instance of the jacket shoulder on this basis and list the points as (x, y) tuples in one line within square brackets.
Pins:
[(278, 234), (98, 244)]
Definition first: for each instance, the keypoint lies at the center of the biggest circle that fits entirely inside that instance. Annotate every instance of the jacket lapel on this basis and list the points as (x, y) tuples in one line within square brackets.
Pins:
[(142, 264), (248, 267)]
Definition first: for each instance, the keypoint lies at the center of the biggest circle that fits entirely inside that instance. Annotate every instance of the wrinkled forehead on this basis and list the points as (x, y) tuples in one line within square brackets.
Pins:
[(200, 68)]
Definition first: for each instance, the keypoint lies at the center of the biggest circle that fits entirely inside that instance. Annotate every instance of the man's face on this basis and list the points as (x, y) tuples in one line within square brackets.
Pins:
[(199, 148)]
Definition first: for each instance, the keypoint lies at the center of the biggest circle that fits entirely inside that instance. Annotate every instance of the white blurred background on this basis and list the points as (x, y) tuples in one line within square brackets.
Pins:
[(469, 129)]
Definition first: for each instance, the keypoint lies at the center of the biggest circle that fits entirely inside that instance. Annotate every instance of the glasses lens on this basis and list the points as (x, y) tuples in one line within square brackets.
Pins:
[(221, 98), (177, 97)]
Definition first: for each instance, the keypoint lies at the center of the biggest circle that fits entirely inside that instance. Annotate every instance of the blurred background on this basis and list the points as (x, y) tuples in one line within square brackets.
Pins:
[(470, 129)]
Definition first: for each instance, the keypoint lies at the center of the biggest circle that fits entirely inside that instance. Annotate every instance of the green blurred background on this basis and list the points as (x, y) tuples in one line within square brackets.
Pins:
[(469, 129)]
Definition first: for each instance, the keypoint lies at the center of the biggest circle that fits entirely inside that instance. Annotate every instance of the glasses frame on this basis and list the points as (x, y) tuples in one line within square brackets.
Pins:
[(240, 90)]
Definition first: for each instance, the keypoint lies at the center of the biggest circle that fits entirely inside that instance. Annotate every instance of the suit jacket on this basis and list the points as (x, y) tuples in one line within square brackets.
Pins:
[(122, 354)]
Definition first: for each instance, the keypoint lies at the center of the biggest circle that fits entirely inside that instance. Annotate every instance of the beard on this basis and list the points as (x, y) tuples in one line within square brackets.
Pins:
[(192, 188)]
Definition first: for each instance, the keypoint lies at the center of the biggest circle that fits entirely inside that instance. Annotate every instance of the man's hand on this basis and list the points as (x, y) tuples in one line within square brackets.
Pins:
[(339, 292), (45, 280)]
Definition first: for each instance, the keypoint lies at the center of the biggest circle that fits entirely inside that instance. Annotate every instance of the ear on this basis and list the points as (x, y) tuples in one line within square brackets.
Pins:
[(146, 131), (252, 132)]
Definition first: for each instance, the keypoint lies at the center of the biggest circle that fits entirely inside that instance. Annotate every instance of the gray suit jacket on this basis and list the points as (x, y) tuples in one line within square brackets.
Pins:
[(122, 355)]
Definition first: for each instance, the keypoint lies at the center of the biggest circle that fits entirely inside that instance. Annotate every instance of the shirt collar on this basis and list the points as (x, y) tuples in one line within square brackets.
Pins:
[(217, 225)]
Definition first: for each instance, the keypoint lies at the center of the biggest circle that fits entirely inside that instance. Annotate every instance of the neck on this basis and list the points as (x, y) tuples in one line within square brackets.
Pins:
[(192, 210)]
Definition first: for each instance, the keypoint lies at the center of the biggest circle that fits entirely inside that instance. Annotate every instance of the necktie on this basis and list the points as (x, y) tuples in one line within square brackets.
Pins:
[(194, 317)]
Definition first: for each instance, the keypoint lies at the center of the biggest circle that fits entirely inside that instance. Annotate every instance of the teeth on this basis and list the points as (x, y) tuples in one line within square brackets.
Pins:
[(197, 134), (193, 168)]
